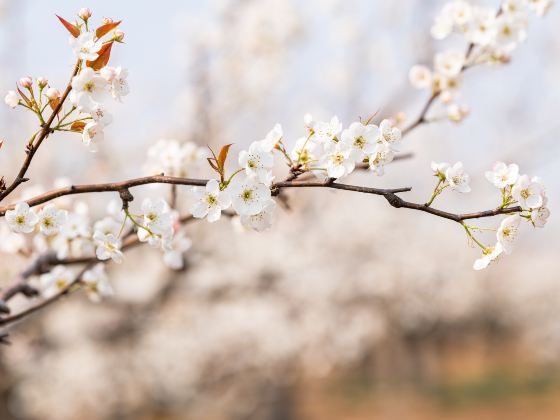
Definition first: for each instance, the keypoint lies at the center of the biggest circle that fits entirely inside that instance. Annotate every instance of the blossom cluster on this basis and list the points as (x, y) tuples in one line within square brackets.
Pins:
[(492, 36), (93, 82), (328, 151), (515, 190)]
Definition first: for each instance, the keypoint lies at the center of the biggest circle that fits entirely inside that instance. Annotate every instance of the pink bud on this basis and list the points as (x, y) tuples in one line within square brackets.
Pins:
[(119, 36), (42, 82), (26, 82), (53, 94), (107, 20), (85, 13)]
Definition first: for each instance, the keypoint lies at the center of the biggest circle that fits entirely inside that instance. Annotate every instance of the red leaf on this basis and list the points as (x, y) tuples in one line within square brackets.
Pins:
[(105, 29), (54, 103), (222, 157), (78, 126), (73, 29), (103, 59)]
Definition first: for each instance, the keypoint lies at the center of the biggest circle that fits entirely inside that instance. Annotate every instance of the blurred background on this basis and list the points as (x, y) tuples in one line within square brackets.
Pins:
[(347, 308)]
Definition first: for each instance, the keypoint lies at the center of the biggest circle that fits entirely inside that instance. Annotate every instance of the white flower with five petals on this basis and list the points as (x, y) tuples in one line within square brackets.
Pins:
[(22, 219), (457, 178), (503, 175), (51, 219), (211, 201), (528, 192)]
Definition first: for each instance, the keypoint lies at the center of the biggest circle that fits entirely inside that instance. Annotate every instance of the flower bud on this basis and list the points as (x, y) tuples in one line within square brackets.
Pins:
[(42, 82), (118, 36), (85, 13), (107, 20), (26, 82), (53, 94), (447, 98), (11, 99)]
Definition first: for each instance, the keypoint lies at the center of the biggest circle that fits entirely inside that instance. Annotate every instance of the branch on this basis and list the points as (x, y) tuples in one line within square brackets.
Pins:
[(46, 302), (43, 134)]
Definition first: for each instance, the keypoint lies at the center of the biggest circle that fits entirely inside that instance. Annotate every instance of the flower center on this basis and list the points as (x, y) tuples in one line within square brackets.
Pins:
[(211, 200), (338, 158), (20, 220), (525, 193), (360, 142), (89, 87), (247, 195)]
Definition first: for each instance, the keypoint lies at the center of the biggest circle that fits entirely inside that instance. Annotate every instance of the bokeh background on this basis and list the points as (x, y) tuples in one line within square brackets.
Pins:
[(347, 308)]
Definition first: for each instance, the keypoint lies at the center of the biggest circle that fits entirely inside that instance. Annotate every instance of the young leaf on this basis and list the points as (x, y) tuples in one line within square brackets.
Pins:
[(105, 29), (78, 126), (222, 157), (103, 59), (25, 98), (73, 29), (212, 164), (54, 103)]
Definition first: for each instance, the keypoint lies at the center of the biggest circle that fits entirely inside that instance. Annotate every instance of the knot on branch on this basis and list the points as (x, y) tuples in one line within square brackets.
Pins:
[(394, 200), (126, 198), (4, 308)]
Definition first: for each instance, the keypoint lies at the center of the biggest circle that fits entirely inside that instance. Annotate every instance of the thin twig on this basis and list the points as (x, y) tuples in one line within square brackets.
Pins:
[(43, 134)]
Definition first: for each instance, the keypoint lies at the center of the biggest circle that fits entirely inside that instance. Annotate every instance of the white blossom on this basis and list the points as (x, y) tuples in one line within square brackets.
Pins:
[(361, 139), (440, 169), (337, 160), (539, 216), (211, 201), (173, 257), (325, 132), (97, 284), (420, 77), (22, 219), (540, 7), (382, 155), (449, 64), (108, 247), (108, 225), (55, 281), (248, 196), (457, 178), (489, 255), (262, 220), (116, 77), (508, 232), (85, 46), (11, 99), (92, 134), (157, 217), (51, 219), (390, 134), (503, 175), (272, 138), (528, 192), (304, 151), (100, 115), (173, 158), (481, 29), (256, 161), (88, 89)]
